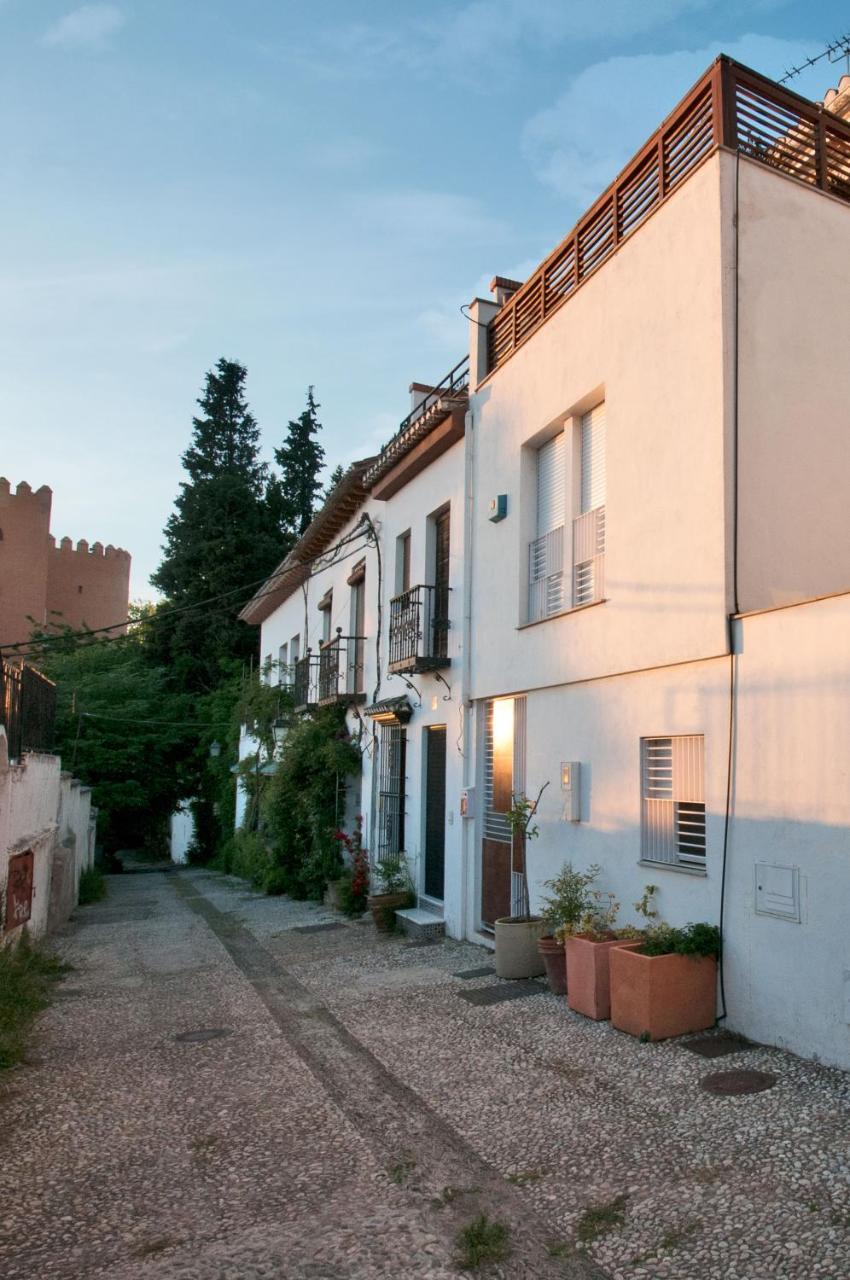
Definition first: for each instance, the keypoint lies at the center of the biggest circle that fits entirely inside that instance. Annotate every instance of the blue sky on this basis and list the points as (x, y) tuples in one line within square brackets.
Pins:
[(310, 188)]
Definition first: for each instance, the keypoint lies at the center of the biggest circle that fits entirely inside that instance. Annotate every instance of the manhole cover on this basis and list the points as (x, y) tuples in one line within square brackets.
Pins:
[(318, 928), (505, 991), (202, 1034), (729, 1084), (483, 971), (716, 1046)]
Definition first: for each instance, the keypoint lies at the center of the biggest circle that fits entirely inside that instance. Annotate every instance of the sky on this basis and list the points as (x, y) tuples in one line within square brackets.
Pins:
[(313, 189)]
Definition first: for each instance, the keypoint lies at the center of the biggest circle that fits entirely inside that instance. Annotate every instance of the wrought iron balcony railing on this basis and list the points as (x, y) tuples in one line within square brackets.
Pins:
[(341, 674), (305, 680), (27, 709), (419, 629)]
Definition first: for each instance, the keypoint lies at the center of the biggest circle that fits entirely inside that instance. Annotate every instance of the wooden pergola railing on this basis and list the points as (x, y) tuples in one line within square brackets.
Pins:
[(729, 106)]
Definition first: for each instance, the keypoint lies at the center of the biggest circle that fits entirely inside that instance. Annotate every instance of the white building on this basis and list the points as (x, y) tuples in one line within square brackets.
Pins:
[(649, 568)]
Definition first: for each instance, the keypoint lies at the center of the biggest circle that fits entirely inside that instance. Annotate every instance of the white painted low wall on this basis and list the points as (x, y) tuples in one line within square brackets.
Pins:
[(49, 813), (182, 832)]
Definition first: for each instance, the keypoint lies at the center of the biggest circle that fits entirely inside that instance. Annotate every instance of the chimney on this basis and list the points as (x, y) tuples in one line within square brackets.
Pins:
[(838, 100), (503, 289)]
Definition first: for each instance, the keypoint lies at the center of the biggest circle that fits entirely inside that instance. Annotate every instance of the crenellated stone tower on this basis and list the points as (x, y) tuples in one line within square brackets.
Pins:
[(76, 585)]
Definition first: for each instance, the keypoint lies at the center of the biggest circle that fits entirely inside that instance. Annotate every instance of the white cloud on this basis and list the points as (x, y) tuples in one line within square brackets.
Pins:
[(579, 144), (88, 27)]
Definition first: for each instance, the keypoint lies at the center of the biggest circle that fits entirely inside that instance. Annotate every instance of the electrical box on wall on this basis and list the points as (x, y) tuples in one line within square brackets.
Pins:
[(571, 787), (467, 803), (498, 507), (777, 891)]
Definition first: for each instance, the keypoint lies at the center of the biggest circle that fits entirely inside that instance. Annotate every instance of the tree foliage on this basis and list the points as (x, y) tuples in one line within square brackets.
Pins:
[(300, 459), (220, 537), (122, 730)]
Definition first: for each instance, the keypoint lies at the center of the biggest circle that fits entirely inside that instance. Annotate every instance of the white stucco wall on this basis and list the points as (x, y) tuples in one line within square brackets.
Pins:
[(182, 832), (29, 803), (645, 335), (794, 376)]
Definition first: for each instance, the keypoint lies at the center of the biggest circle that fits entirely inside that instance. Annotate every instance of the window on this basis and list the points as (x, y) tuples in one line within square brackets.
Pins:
[(267, 669), (589, 524), (672, 820), (391, 797), (325, 607), (294, 649), (548, 594), (439, 604), (357, 643), (402, 563), (282, 664), (546, 553)]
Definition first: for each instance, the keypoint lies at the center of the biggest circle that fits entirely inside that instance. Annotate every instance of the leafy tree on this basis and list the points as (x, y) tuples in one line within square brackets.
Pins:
[(123, 731), (300, 459), (220, 537), (334, 479)]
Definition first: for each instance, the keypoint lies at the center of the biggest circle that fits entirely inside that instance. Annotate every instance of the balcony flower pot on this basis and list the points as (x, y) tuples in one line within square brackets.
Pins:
[(657, 996), (554, 958), (588, 964), (333, 898), (517, 955), (383, 907)]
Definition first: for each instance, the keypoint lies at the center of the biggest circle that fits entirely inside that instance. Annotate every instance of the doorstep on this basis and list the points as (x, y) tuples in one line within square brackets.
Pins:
[(421, 925)]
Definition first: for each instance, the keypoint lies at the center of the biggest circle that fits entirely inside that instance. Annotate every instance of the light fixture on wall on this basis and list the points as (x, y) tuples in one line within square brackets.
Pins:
[(215, 750)]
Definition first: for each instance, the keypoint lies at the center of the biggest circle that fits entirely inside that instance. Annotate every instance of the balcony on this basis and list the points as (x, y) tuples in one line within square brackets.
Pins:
[(729, 106), (305, 681), (419, 630), (341, 663)]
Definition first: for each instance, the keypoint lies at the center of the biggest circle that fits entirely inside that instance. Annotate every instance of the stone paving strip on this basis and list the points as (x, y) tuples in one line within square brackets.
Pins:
[(603, 1136), (227, 1089), (192, 1110)]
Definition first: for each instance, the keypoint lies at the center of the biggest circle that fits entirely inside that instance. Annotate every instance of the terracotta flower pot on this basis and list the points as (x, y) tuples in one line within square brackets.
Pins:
[(516, 948), (589, 989), (555, 961), (662, 996), (381, 905)]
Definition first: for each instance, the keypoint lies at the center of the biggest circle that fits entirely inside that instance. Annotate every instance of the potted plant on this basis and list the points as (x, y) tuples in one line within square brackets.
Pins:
[(588, 951), (350, 892), (566, 905), (393, 883), (516, 936), (667, 985)]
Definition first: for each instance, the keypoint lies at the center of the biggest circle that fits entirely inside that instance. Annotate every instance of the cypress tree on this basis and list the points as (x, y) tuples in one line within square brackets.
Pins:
[(300, 459), (219, 537)]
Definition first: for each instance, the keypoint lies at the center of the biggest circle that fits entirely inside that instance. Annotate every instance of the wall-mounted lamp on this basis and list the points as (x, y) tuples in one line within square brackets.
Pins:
[(215, 750)]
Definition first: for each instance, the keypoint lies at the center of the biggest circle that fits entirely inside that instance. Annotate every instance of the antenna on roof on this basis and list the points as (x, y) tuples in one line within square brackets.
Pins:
[(839, 49)]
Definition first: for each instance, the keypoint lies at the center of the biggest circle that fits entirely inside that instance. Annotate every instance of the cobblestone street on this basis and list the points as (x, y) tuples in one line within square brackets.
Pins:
[(336, 1108)]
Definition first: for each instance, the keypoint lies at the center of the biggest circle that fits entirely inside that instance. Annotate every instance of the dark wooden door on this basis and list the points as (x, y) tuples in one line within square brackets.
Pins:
[(440, 616), (495, 881), (435, 811)]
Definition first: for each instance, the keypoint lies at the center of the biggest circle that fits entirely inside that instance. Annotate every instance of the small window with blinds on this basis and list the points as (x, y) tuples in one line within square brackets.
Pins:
[(546, 551), (589, 524), (673, 800)]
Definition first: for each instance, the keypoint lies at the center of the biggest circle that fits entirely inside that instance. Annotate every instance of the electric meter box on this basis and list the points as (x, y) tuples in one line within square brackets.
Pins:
[(571, 787)]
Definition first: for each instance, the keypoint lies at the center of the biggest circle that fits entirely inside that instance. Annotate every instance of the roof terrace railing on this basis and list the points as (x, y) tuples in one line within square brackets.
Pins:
[(729, 106), (27, 708), (449, 390)]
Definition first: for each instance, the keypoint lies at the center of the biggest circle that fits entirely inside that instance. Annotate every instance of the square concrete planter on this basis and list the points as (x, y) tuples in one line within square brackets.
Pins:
[(661, 996), (589, 986)]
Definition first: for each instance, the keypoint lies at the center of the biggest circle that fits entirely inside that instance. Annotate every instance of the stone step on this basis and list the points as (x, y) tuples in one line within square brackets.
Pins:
[(421, 925)]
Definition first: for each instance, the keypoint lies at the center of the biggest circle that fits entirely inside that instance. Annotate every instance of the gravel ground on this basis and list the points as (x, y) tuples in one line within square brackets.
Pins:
[(358, 1113)]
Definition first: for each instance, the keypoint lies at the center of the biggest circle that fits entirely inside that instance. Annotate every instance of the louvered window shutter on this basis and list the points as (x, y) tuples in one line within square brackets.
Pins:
[(546, 553), (673, 800), (589, 526)]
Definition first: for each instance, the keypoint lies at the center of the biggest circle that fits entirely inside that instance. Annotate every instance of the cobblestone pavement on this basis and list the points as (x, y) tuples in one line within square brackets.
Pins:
[(357, 1113)]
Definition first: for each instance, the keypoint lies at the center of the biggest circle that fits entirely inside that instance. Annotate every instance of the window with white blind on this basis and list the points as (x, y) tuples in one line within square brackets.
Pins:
[(589, 524), (283, 664), (581, 515), (672, 820), (546, 552)]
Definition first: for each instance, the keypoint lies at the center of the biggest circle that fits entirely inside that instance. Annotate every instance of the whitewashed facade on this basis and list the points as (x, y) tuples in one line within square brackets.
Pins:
[(650, 569)]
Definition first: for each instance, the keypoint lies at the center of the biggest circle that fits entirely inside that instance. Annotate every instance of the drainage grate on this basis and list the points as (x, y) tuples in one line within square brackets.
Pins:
[(483, 971), (203, 1034), (505, 991), (716, 1046), (318, 928), (730, 1084)]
